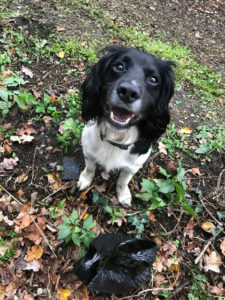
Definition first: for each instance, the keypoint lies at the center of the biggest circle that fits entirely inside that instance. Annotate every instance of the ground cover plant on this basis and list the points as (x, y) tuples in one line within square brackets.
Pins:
[(46, 48)]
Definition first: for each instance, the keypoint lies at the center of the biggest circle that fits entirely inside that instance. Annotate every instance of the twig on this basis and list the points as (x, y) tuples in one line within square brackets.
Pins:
[(54, 192), (206, 246), (178, 289), (11, 195), (218, 222), (32, 175), (35, 223), (145, 291), (219, 181)]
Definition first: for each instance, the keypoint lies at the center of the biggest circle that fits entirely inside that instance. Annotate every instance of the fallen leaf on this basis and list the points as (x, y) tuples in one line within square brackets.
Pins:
[(33, 265), (195, 171), (222, 246), (105, 175), (58, 28), (194, 248), (47, 120), (64, 294), (28, 297), (20, 193), (174, 267), (27, 72), (189, 230), (186, 130), (22, 178), (7, 149), (53, 99), (2, 292), (61, 54), (36, 93), (5, 219), (8, 163), (26, 129), (22, 139), (35, 234), (84, 194), (212, 262), (162, 148), (151, 217), (207, 226), (85, 216), (35, 253), (54, 181)]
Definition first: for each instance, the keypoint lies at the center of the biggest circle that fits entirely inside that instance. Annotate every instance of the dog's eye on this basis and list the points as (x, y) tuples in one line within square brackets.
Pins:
[(119, 67), (153, 80)]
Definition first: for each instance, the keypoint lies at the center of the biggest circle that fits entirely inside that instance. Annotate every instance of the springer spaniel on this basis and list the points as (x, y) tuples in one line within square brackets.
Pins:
[(125, 107)]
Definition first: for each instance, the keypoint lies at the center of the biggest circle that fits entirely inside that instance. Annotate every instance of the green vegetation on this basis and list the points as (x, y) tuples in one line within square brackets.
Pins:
[(7, 250), (79, 231), (57, 211), (173, 187)]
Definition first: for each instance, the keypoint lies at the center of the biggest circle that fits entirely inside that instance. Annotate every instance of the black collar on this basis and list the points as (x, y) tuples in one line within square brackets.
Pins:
[(121, 146)]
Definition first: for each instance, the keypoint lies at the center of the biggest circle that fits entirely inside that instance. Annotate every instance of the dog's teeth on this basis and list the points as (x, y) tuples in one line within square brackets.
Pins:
[(112, 115)]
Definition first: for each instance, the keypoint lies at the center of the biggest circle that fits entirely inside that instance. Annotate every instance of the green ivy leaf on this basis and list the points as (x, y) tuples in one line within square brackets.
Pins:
[(88, 223), (108, 209)]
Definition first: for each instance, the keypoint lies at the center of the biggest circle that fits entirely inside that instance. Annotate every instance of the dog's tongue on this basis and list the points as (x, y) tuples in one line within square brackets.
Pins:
[(120, 114)]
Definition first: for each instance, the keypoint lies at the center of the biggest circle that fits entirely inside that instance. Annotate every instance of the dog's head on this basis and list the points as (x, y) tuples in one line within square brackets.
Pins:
[(127, 87)]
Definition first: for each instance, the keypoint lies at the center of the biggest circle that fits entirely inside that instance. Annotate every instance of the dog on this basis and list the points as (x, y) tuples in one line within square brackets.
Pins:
[(125, 102)]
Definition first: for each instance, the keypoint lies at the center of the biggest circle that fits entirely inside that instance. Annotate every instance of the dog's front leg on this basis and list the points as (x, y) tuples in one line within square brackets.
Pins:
[(122, 189), (87, 174)]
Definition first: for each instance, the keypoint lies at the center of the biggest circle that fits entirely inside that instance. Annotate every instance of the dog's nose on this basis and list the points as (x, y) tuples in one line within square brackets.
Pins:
[(128, 92)]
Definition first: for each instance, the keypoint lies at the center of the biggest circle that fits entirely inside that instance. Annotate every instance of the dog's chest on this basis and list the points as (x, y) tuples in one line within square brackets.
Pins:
[(108, 156)]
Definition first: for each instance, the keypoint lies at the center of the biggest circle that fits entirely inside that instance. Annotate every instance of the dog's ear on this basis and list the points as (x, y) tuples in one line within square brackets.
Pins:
[(156, 124), (91, 88)]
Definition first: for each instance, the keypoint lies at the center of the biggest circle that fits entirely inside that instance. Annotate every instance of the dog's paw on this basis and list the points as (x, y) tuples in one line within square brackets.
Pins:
[(124, 196), (84, 181)]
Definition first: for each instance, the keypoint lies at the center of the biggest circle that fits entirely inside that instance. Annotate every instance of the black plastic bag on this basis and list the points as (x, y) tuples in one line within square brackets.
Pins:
[(116, 263)]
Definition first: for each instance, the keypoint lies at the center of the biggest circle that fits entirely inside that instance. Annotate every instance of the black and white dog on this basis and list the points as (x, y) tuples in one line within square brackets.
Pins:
[(125, 107)]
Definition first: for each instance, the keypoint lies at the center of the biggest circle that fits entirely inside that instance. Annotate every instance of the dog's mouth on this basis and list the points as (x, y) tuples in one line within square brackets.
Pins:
[(120, 115)]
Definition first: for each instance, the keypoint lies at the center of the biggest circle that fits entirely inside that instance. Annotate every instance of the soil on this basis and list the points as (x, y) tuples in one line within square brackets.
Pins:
[(199, 26)]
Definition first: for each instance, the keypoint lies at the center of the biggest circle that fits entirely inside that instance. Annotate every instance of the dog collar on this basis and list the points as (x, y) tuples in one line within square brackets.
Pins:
[(121, 146)]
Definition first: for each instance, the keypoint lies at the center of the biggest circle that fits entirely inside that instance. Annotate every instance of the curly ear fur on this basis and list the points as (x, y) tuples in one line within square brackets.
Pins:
[(157, 121)]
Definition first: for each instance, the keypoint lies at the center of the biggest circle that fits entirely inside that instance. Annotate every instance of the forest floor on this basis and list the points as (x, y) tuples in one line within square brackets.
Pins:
[(45, 50)]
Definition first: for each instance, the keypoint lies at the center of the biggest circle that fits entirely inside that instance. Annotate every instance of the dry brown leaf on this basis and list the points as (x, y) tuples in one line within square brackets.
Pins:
[(186, 130), (47, 120), (20, 193), (35, 253), (207, 226), (195, 171), (212, 262), (54, 181), (162, 148), (35, 234), (189, 230), (22, 178), (64, 294), (151, 217), (8, 163), (84, 194), (2, 292), (26, 129), (33, 265), (222, 246), (7, 149), (194, 248)]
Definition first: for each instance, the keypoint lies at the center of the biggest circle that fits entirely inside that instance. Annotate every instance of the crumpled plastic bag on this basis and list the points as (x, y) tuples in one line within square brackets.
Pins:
[(116, 263)]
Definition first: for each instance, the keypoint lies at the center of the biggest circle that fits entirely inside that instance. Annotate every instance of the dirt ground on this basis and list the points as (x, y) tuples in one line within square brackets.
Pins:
[(198, 25)]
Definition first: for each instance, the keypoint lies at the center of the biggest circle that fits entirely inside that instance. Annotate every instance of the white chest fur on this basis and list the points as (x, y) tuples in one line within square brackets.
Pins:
[(107, 155)]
